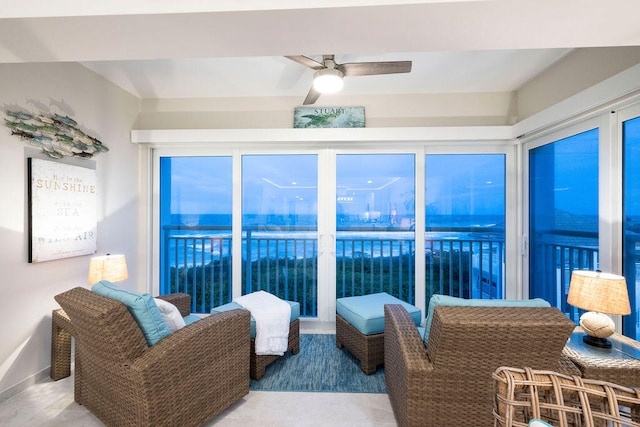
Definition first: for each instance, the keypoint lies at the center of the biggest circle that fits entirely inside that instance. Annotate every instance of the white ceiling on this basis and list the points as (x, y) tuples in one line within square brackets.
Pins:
[(194, 48), (432, 72)]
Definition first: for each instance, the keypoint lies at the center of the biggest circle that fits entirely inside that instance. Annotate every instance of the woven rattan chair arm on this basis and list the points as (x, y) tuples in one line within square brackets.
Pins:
[(409, 376), (180, 300), (201, 345), (404, 341)]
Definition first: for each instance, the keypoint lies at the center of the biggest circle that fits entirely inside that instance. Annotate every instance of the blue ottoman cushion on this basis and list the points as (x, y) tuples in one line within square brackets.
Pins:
[(366, 312), (295, 312)]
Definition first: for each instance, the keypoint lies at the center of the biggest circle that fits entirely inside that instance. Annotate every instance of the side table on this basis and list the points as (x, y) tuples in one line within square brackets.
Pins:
[(619, 364), (61, 333)]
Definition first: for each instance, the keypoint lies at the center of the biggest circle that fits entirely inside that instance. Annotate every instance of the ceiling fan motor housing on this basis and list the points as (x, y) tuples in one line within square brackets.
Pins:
[(328, 80)]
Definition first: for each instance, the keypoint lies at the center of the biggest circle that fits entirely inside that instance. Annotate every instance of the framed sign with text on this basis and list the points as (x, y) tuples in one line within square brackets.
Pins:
[(328, 117), (62, 210)]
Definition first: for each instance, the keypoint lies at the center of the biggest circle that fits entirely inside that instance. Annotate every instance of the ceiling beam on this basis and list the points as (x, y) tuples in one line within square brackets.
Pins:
[(409, 27)]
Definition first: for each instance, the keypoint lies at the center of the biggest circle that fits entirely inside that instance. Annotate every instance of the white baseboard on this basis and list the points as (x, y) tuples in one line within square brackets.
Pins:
[(23, 385), (314, 327)]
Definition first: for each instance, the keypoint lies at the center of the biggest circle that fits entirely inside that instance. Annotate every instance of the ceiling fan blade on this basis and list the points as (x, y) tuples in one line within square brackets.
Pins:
[(312, 96), (307, 62), (373, 68)]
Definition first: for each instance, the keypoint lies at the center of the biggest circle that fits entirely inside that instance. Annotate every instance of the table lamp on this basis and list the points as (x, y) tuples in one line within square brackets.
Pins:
[(107, 267), (601, 294)]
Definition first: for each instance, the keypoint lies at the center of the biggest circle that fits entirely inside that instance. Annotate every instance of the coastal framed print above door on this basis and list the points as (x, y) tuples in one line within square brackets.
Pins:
[(62, 210)]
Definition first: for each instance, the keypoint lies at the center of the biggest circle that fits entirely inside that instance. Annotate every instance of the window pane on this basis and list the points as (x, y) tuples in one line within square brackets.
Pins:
[(631, 224), (375, 221), (563, 216), (465, 217), (195, 229), (279, 224)]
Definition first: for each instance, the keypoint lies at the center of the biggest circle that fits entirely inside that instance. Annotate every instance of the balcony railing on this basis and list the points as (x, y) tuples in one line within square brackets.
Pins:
[(283, 264), (465, 263), (465, 267), (197, 261), (368, 263), (556, 254)]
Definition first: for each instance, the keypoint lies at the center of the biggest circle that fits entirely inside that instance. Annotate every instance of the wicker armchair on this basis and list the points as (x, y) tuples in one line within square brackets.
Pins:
[(561, 400), (449, 382), (184, 380)]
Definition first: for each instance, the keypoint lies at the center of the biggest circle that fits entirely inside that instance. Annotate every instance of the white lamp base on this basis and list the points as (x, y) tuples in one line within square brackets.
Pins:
[(598, 327)]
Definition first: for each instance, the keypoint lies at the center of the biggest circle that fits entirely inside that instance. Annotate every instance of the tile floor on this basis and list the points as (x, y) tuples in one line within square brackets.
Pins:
[(50, 403)]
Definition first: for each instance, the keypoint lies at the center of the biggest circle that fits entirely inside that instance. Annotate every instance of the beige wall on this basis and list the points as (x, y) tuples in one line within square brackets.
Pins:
[(476, 109), (27, 290), (577, 71)]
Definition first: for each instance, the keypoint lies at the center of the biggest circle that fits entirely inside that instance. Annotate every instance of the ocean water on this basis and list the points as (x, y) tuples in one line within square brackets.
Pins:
[(196, 248), (201, 239)]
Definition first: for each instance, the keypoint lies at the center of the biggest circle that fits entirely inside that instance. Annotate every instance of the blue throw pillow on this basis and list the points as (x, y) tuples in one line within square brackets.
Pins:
[(446, 300), (142, 307)]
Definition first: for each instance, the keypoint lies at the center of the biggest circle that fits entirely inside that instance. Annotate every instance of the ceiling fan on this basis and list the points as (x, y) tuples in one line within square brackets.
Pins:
[(328, 76)]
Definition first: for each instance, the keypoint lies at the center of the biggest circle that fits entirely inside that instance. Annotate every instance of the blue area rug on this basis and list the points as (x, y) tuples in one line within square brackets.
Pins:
[(320, 366)]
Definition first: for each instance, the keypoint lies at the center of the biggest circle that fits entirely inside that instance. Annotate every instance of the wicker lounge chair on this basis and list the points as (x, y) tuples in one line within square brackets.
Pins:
[(449, 382), (561, 400), (184, 380)]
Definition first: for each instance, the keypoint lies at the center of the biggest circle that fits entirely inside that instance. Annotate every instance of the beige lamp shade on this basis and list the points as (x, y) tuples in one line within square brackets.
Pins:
[(108, 267), (601, 292)]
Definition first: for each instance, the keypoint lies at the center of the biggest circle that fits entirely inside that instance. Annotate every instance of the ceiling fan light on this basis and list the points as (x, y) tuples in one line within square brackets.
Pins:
[(328, 80)]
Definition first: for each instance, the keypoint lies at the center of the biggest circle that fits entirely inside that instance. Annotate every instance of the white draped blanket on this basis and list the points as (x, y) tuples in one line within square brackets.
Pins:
[(272, 317)]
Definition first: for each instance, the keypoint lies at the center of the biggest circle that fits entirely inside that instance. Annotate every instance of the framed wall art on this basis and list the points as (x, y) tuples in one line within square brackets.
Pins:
[(62, 210), (328, 117)]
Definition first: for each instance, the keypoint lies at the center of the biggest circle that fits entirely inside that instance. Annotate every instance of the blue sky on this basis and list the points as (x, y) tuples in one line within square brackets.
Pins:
[(458, 184)]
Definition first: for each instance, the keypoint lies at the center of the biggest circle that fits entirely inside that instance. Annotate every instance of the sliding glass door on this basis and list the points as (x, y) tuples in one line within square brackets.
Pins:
[(280, 227), (312, 226), (465, 201), (375, 217), (563, 215), (631, 221), (195, 229)]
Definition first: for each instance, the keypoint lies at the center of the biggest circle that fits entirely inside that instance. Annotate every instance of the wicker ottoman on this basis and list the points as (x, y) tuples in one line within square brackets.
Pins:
[(258, 363), (360, 327)]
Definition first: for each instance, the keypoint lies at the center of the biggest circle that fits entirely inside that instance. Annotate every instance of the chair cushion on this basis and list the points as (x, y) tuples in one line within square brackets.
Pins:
[(295, 312), (538, 423), (366, 312), (142, 307), (170, 314), (446, 300), (191, 318)]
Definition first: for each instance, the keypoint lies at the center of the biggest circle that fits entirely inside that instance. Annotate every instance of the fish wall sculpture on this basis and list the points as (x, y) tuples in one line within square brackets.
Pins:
[(56, 135)]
